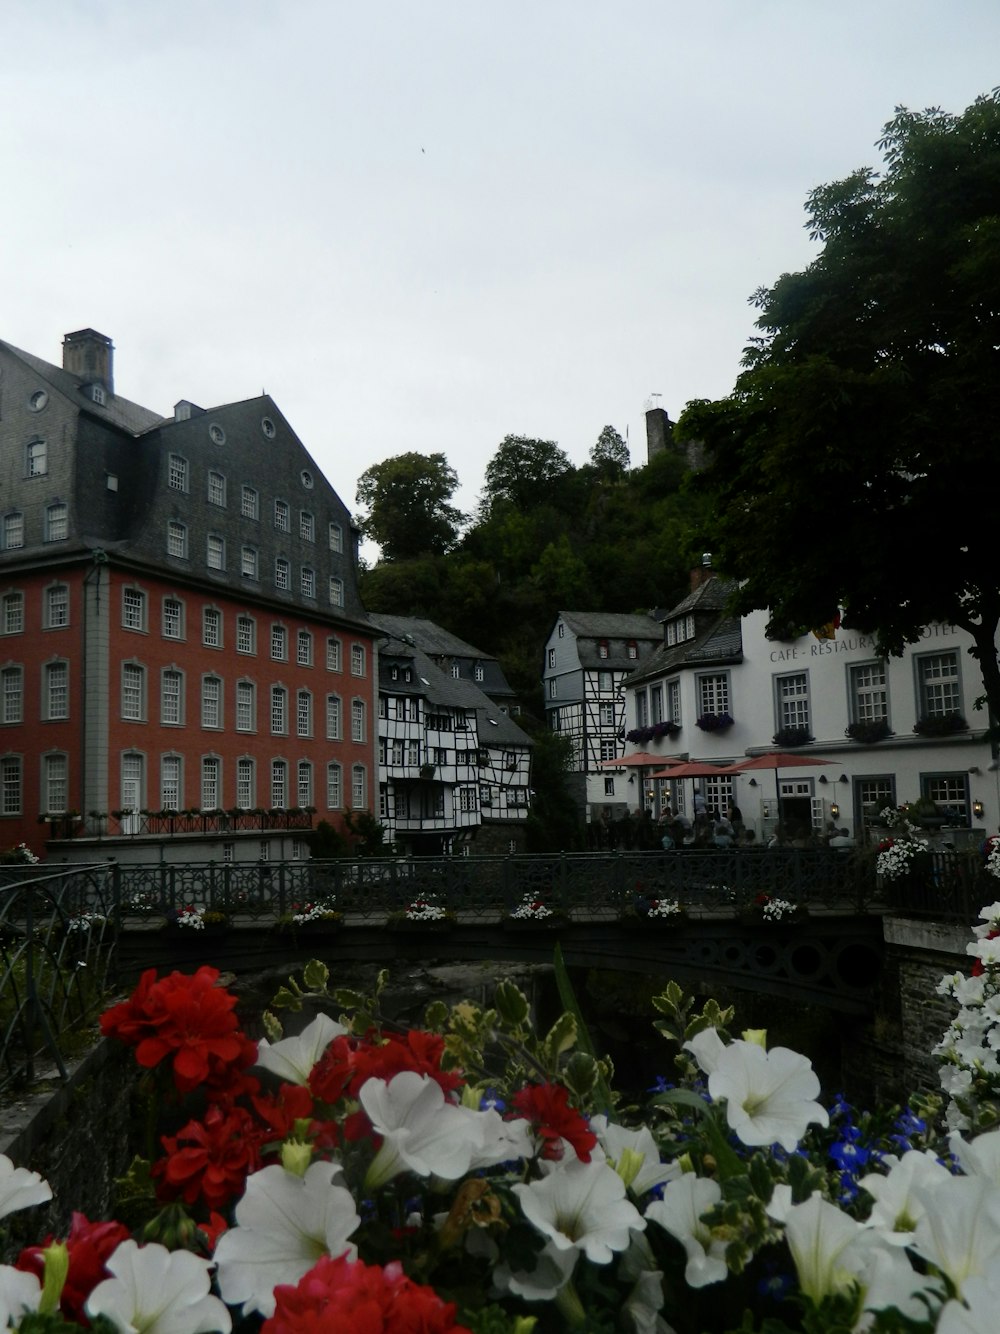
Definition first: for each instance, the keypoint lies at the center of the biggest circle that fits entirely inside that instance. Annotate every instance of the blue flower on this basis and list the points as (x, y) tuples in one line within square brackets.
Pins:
[(662, 1085), (491, 1101)]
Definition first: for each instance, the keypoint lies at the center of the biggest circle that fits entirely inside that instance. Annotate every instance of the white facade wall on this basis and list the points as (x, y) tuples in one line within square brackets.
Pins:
[(959, 769)]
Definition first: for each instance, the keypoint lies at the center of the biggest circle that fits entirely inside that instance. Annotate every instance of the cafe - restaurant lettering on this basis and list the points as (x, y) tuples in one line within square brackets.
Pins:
[(849, 644)]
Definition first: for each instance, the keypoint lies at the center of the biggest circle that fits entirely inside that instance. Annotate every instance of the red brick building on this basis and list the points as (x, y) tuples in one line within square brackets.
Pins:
[(184, 658)]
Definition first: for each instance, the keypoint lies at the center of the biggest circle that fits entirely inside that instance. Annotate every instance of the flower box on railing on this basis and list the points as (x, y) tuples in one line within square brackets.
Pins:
[(943, 724), (714, 722), (640, 735)]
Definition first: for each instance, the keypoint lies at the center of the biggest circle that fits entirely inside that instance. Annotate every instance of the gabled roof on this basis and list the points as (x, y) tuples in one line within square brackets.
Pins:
[(712, 595), (118, 411), (611, 625), (718, 644), (437, 642)]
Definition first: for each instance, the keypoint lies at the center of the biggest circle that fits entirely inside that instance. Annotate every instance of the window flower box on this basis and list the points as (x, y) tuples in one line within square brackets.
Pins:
[(788, 737), (715, 722), (868, 732), (943, 724)]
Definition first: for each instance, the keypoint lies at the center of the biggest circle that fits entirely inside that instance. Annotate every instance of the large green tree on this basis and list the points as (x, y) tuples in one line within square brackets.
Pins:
[(524, 471), (409, 514), (609, 453), (855, 464)]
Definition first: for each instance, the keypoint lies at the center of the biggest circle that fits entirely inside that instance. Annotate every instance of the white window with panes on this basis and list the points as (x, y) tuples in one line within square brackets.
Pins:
[(133, 691), (248, 562), (358, 728), (249, 503), (792, 698), (334, 654), (177, 473), (336, 591), (334, 787), (13, 531), (713, 693), (303, 783), (674, 701), (641, 708), (170, 782), (307, 582), (303, 713), (334, 718), (246, 706), (606, 715), (279, 643), (13, 613), (336, 537), (281, 519), (307, 526), (279, 784), (950, 792), (211, 701), (56, 607), (304, 648), (173, 618), (10, 785), (211, 627), (359, 787), (609, 749), (246, 634), (171, 697), (56, 690), (279, 710), (133, 609), (55, 783), (938, 685), (282, 573), (246, 783), (216, 488), (37, 458), (12, 703), (679, 630), (56, 522), (211, 783), (177, 539), (357, 660), (215, 552), (869, 693)]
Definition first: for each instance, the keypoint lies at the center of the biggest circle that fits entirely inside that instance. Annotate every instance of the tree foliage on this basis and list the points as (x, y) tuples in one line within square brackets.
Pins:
[(523, 469), (408, 511), (855, 462), (609, 453)]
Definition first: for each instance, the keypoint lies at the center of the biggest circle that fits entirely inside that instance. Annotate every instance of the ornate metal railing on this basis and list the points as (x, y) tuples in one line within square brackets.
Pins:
[(171, 824), (57, 935)]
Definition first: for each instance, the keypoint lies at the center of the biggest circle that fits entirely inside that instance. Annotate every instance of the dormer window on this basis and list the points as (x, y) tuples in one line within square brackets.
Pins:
[(96, 393), (632, 649), (679, 630), (603, 648)]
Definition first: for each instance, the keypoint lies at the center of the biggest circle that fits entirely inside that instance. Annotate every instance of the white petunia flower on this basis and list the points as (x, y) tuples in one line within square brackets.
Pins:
[(292, 1059), (285, 1223), (770, 1095), (581, 1206), (826, 1246), (898, 1208), (707, 1049), (553, 1270), (616, 1140), (156, 1291), (979, 1315), (19, 1293), (979, 1157), (421, 1132), (679, 1212), (960, 1229), (20, 1188)]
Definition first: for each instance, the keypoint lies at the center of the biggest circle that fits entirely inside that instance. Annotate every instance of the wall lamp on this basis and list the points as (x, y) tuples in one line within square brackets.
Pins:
[(977, 809), (753, 782), (823, 778), (834, 810), (842, 779)]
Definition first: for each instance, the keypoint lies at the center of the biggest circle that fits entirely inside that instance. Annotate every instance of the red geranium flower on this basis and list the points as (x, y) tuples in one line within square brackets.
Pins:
[(354, 1298), (547, 1107), (978, 968), (294, 1104), (89, 1245), (210, 1160), (414, 1050)]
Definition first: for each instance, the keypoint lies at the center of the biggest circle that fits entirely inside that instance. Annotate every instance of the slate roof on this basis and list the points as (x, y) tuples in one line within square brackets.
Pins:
[(117, 411), (437, 642), (719, 644), (712, 595), (611, 625)]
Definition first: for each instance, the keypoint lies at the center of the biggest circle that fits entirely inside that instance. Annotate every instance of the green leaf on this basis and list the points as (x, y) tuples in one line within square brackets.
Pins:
[(316, 975), (511, 1004), (285, 999), (560, 1037), (273, 1029), (580, 1074), (605, 1098)]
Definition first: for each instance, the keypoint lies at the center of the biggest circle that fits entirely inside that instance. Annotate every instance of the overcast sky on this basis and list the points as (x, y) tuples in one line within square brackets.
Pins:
[(424, 225)]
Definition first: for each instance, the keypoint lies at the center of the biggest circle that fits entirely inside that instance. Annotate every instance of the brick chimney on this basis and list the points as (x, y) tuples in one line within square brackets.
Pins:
[(703, 572), (91, 355)]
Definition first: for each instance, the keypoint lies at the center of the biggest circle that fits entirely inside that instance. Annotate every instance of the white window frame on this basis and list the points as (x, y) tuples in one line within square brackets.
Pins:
[(171, 701), (246, 706), (211, 702)]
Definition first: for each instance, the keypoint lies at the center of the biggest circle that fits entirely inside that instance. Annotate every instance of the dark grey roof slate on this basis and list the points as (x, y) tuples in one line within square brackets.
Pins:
[(712, 595), (611, 625), (118, 411), (432, 638), (720, 644)]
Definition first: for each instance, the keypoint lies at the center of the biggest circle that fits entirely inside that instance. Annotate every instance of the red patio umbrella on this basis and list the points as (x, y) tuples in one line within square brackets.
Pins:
[(778, 759), (696, 769)]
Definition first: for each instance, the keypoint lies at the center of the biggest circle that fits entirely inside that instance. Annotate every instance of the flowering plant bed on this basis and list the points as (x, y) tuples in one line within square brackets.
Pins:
[(714, 722), (786, 738), (869, 731), (191, 919), (944, 724), (899, 858), (311, 917), (771, 908), (468, 1176), (645, 909), (425, 912), (533, 912)]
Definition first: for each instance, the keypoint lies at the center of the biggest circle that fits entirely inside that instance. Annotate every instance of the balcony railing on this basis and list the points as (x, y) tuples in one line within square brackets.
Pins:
[(170, 824)]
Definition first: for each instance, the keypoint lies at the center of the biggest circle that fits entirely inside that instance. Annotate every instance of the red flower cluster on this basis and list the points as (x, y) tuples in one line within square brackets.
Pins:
[(354, 1298), (188, 1018), (547, 1107), (349, 1062), (211, 1159), (89, 1245)]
